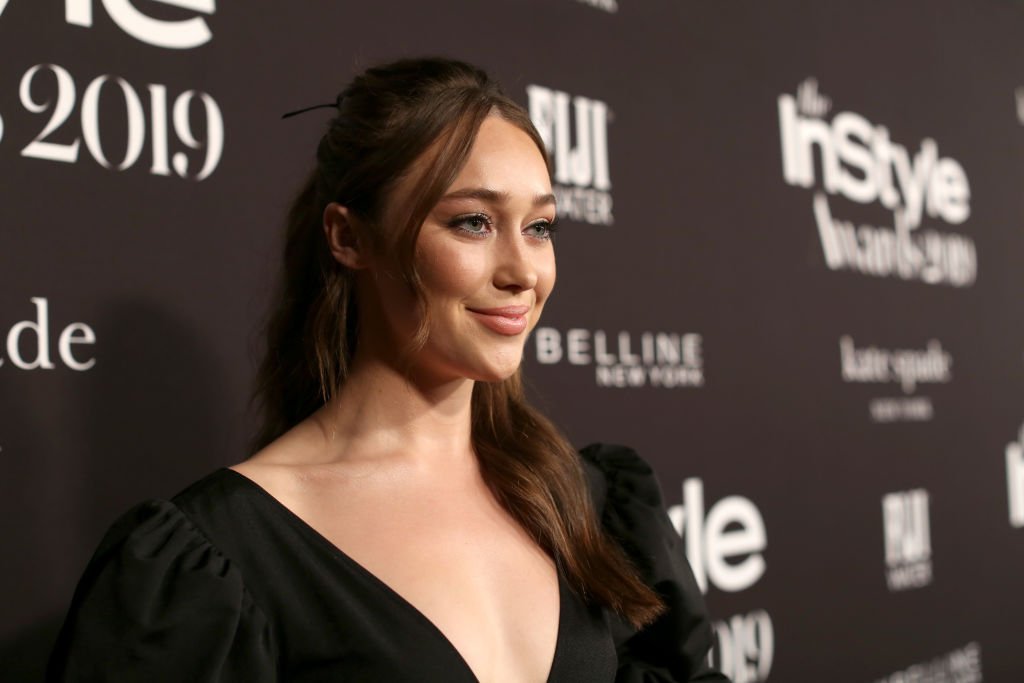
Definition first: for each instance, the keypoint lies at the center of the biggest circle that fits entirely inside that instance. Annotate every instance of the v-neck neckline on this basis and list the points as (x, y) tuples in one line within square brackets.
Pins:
[(390, 592)]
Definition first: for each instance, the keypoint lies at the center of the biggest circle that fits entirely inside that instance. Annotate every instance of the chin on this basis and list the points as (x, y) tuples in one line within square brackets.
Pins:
[(496, 375), (499, 372)]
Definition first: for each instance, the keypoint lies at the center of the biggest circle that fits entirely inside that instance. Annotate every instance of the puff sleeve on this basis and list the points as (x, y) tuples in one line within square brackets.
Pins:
[(158, 602), (675, 647)]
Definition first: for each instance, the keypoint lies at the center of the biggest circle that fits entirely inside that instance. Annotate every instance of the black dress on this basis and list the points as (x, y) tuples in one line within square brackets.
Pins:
[(223, 583)]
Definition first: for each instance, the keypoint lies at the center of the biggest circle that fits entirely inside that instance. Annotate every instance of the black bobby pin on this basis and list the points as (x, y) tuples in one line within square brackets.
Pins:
[(336, 104)]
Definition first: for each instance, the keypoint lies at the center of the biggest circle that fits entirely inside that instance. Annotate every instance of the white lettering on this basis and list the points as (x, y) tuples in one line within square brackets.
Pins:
[(575, 130), (625, 357), (178, 35), (1015, 480), (74, 333), (549, 345), (744, 647), (663, 359), (41, 328), (136, 124), (578, 342), (747, 539), (610, 6), (926, 255), (908, 367), (959, 666), (850, 141), (733, 530), (901, 409), (68, 337), (907, 539)]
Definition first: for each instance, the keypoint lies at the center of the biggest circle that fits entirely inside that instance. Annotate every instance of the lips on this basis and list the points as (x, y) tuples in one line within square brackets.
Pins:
[(507, 320), (507, 311)]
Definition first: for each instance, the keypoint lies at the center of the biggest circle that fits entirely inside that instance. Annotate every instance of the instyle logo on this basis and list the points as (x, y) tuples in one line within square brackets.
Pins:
[(94, 129), (962, 665), (158, 126), (22, 334), (575, 132), (908, 544), (744, 647), (182, 34), (725, 547), (179, 34), (1015, 480), (909, 368), (726, 544), (858, 161), (625, 360)]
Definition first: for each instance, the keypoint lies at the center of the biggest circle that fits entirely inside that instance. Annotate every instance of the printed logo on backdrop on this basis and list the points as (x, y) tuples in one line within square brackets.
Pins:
[(1015, 480), (610, 6), (176, 131), (962, 665), (575, 132), (624, 360), (926, 193), (907, 368), (28, 342), (725, 548), (179, 34), (908, 544)]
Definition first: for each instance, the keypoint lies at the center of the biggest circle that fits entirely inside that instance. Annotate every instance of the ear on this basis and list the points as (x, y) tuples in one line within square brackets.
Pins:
[(342, 237)]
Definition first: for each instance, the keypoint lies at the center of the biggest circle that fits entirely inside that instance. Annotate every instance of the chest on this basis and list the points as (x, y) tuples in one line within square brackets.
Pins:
[(462, 563), (330, 619)]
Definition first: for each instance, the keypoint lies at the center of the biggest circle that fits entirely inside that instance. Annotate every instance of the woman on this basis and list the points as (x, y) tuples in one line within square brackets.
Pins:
[(406, 515)]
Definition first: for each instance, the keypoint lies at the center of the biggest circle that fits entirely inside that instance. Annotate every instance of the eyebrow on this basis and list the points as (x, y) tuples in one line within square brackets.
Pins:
[(496, 196)]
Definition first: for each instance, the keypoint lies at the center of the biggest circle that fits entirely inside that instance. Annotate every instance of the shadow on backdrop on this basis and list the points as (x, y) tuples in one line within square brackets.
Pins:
[(124, 450)]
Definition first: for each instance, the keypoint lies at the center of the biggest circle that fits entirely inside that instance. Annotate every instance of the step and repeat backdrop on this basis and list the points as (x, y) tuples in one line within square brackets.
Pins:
[(789, 276)]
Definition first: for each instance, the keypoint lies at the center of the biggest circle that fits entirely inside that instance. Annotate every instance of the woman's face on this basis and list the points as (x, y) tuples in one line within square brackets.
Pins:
[(485, 259)]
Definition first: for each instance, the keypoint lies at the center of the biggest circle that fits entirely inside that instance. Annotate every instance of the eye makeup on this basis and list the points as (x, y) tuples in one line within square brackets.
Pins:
[(480, 225)]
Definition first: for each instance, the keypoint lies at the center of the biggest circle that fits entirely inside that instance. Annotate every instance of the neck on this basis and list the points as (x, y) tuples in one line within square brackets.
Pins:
[(381, 414)]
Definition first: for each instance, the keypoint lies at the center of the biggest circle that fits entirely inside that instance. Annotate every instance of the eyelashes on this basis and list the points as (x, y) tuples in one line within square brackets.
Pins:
[(550, 227), (473, 224), (479, 225)]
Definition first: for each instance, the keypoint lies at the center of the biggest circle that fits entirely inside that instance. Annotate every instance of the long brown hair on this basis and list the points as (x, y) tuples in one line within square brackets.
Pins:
[(387, 118)]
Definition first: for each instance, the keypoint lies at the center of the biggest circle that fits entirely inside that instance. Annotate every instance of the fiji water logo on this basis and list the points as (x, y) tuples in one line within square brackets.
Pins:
[(575, 132), (908, 541)]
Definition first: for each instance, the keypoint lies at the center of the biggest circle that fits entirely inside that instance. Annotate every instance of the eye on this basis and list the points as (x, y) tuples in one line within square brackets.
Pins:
[(544, 230), (474, 224)]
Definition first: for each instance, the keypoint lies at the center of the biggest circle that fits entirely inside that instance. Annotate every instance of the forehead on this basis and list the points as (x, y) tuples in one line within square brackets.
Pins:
[(504, 158)]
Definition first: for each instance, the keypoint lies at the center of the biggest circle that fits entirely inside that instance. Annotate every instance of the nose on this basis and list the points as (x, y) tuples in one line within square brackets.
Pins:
[(515, 263)]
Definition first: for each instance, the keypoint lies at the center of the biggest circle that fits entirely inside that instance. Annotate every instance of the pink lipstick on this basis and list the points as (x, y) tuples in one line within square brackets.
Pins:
[(507, 320)]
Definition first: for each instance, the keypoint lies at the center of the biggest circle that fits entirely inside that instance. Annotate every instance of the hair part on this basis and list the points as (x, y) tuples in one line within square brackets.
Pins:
[(389, 117)]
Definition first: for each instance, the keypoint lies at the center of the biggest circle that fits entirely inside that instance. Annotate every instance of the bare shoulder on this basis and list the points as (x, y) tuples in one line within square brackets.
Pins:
[(281, 466)]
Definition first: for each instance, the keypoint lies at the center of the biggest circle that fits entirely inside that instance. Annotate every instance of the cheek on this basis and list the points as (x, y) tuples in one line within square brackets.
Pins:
[(546, 276), (452, 272), (545, 284)]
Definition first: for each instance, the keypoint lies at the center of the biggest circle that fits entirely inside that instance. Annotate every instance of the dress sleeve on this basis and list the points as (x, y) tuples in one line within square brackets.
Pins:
[(674, 648), (159, 603)]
